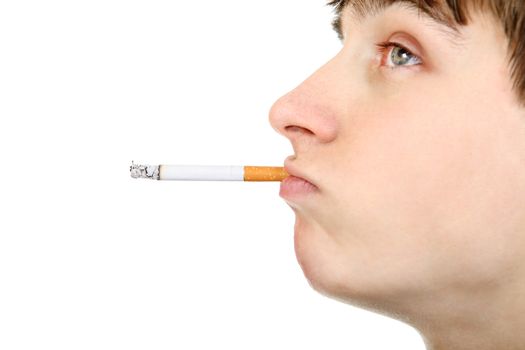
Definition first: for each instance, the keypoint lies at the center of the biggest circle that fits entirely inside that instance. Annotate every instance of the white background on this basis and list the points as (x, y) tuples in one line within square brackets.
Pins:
[(92, 259)]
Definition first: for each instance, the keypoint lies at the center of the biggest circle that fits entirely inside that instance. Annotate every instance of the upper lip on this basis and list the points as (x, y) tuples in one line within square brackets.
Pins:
[(292, 170)]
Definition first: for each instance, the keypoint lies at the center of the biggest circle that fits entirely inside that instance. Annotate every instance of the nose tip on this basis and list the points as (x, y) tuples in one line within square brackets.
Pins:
[(300, 115)]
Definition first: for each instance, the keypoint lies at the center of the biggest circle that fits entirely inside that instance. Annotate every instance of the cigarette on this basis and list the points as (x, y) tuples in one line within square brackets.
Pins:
[(207, 172)]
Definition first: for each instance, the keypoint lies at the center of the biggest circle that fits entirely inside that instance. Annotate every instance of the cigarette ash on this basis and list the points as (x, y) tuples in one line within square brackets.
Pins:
[(144, 171)]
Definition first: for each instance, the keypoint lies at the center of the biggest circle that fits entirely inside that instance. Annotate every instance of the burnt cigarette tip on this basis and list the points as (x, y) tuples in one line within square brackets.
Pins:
[(138, 171)]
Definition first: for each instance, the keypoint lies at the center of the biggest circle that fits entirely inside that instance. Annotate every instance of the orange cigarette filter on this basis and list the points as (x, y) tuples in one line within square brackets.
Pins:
[(264, 173)]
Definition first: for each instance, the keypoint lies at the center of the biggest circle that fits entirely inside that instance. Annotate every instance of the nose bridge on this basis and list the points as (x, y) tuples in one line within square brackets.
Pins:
[(310, 107)]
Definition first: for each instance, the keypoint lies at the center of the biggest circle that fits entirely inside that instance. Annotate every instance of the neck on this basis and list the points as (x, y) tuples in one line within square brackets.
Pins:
[(480, 321)]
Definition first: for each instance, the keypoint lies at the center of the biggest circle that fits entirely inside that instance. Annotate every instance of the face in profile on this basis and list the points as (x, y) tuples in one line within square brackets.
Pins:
[(415, 142)]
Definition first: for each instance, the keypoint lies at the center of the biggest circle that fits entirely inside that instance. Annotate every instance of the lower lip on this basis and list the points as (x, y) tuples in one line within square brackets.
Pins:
[(295, 186)]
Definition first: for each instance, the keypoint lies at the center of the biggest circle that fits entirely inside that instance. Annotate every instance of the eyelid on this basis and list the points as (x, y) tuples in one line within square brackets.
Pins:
[(405, 41)]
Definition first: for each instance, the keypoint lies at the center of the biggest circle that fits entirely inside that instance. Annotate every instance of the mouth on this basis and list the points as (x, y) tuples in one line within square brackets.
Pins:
[(297, 184), (295, 172)]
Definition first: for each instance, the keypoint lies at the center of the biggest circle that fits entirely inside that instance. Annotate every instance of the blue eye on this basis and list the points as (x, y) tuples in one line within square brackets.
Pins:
[(399, 56)]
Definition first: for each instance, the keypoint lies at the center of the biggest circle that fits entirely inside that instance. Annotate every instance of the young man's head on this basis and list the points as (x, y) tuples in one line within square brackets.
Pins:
[(414, 134)]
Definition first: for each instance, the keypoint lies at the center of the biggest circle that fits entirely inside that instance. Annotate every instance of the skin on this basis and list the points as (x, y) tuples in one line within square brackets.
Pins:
[(420, 169)]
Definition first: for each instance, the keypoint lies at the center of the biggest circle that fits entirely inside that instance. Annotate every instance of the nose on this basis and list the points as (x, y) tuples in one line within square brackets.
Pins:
[(307, 114)]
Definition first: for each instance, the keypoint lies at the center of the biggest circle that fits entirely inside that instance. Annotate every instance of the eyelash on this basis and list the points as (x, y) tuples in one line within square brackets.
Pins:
[(384, 49)]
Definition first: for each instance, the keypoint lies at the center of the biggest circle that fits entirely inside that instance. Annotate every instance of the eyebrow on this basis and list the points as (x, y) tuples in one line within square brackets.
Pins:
[(361, 9)]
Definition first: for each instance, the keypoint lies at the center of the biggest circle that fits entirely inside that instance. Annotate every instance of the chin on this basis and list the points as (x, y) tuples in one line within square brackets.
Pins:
[(316, 253), (339, 274)]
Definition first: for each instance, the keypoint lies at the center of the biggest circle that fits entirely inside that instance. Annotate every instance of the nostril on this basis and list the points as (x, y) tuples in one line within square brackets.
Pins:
[(294, 128)]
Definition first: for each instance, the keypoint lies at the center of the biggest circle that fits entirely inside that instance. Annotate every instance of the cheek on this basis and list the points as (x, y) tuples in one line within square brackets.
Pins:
[(402, 167), (420, 197)]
